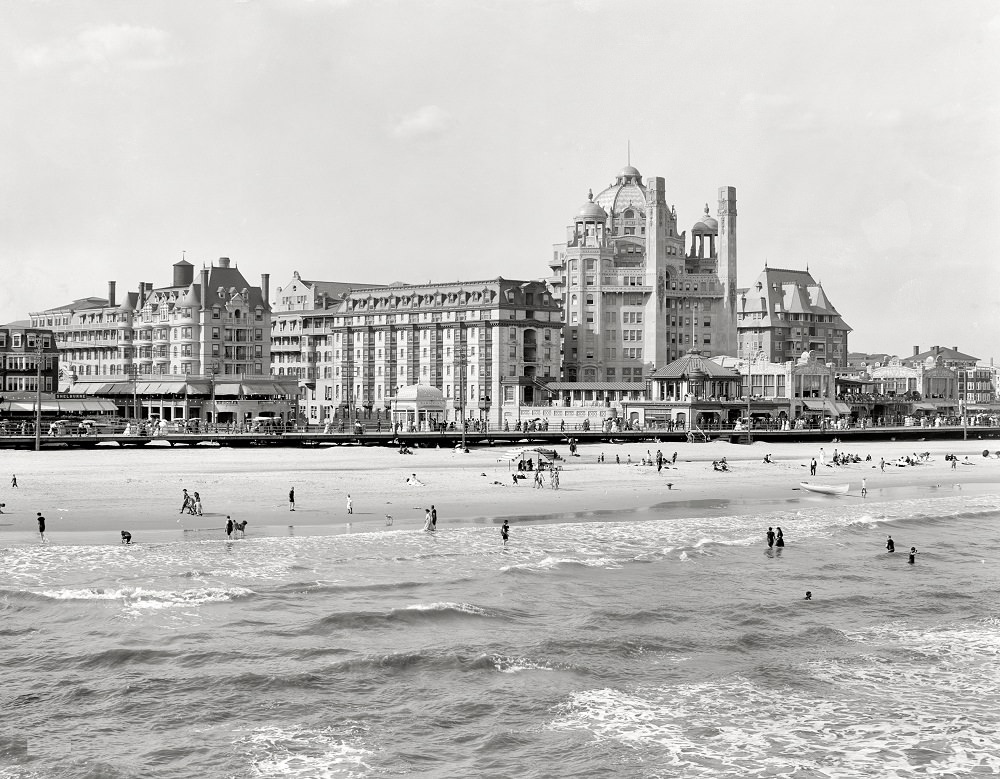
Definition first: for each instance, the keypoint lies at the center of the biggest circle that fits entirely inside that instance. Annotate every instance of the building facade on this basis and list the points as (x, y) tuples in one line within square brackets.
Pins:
[(486, 345), (29, 360), (637, 293), (785, 313), (199, 331)]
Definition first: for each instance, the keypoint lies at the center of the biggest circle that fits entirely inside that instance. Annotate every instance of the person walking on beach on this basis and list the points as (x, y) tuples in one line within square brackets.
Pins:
[(770, 537), (504, 531), (229, 526), (291, 499), (779, 539), (41, 527), (434, 518), (864, 488), (890, 545), (186, 502), (822, 456), (13, 481), (126, 537), (913, 555), (350, 504), (197, 505), (881, 464), (812, 467)]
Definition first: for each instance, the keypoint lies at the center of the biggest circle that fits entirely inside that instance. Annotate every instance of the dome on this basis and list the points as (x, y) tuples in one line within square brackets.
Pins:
[(708, 225), (627, 192), (590, 210)]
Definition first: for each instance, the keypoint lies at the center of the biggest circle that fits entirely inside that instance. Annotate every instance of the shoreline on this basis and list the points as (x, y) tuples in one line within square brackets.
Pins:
[(97, 494)]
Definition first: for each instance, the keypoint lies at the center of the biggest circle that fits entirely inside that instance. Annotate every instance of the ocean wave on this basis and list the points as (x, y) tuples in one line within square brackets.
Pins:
[(315, 753), (551, 562), (417, 613), (141, 598)]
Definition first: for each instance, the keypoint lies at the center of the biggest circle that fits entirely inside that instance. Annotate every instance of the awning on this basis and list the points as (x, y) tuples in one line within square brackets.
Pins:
[(228, 388), (924, 407), (842, 408)]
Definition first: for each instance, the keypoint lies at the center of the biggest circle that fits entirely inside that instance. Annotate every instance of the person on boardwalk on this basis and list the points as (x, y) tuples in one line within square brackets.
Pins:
[(913, 555), (770, 537), (350, 504), (890, 545), (291, 499), (864, 488), (13, 480), (126, 537), (229, 526), (434, 518), (779, 538), (505, 531), (41, 526)]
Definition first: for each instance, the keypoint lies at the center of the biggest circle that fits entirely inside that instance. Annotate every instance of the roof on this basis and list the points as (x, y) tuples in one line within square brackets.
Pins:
[(420, 393), (783, 290), (690, 362), (625, 192), (946, 355)]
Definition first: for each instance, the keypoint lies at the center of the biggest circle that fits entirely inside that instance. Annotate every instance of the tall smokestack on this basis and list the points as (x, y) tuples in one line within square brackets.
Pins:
[(265, 288), (111, 294), (204, 287)]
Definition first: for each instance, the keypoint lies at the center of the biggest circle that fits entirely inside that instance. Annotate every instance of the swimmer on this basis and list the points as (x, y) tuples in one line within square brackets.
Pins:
[(890, 545), (913, 555), (809, 595), (126, 537), (504, 531), (41, 526)]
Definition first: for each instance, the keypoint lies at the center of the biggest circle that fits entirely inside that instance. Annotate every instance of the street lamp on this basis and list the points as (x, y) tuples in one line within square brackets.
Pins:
[(750, 361), (38, 393)]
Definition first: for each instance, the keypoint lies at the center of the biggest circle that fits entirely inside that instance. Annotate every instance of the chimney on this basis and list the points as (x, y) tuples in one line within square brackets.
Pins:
[(916, 350), (111, 294), (223, 262), (204, 287), (265, 288), (954, 348)]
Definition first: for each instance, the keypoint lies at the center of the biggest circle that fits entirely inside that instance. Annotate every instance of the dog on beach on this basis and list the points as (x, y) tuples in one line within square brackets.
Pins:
[(240, 527), (126, 537)]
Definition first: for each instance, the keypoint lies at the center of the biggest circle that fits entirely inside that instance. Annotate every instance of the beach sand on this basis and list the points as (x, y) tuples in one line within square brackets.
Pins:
[(100, 492)]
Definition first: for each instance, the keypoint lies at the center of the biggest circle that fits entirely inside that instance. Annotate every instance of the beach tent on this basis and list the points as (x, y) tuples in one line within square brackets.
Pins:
[(535, 453)]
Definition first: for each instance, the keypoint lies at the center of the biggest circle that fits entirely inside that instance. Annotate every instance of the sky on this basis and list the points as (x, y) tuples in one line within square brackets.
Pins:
[(443, 140)]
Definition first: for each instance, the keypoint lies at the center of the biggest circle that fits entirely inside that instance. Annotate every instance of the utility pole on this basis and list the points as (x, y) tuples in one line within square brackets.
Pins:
[(38, 393), (461, 385)]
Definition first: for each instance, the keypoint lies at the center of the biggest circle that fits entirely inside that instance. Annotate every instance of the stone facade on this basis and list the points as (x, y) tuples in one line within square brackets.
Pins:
[(636, 292)]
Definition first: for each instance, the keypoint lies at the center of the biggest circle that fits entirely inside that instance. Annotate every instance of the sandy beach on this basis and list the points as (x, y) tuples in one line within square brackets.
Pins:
[(110, 489)]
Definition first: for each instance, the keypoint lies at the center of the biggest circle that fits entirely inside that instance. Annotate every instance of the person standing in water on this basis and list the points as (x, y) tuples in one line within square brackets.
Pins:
[(864, 488), (779, 539), (229, 526), (504, 531), (428, 526), (890, 545), (291, 499), (434, 518), (350, 504), (913, 555), (770, 537), (41, 526)]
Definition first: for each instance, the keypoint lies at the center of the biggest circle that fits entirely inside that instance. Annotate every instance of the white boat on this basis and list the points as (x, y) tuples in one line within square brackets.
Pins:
[(826, 489)]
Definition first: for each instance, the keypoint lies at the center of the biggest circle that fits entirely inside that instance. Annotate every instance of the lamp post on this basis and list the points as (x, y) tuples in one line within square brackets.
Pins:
[(215, 415), (750, 361), (38, 393)]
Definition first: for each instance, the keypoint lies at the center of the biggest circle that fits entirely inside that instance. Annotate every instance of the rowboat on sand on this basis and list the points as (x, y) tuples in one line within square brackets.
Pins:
[(826, 489)]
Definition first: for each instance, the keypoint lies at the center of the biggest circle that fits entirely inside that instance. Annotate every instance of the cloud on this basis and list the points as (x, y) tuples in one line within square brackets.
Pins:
[(118, 45), (429, 120)]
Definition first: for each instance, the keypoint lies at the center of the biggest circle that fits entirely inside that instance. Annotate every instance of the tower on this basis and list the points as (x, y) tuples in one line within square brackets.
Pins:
[(727, 270)]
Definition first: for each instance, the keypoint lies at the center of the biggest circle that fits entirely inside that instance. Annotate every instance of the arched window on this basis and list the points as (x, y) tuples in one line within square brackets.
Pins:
[(630, 214)]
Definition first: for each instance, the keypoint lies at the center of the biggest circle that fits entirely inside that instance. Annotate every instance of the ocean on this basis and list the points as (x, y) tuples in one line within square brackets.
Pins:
[(645, 644)]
